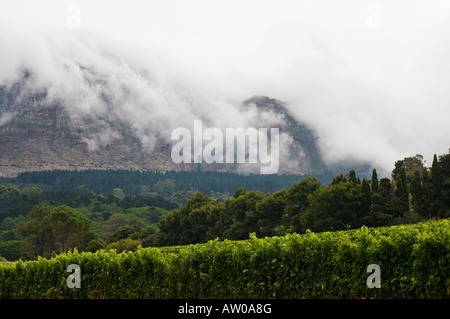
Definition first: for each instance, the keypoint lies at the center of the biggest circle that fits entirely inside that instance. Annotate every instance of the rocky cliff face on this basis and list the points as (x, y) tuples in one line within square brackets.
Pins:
[(36, 134), (304, 154)]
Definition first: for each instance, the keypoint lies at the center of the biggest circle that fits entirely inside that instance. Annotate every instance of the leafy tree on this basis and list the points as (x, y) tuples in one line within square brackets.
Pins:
[(124, 245), (196, 221), (118, 193), (270, 210), (338, 179), (147, 235), (6, 235), (95, 245), (188, 224), (352, 176), (426, 209), (242, 210), (170, 229), (69, 228), (121, 233), (380, 214), (417, 193), (15, 200), (398, 166), (144, 191), (220, 221), (334, 208), (366, 199), (10, 223), (401, 192), (297, 202), (10, 250), (164, 187), (385, 190), (56, 229), (118, 220), (197, 224), (37, 229), (412, 165), (442, 202)]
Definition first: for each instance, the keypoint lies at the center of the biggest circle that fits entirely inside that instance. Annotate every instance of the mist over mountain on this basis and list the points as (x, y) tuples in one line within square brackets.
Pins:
[(41, 131), (105, 83)]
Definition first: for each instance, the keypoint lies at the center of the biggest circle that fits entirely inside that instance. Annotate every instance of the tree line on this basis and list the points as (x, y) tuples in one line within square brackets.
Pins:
[(132, 182), (46, 223), (16, 200), (412, 194), (28, 227)]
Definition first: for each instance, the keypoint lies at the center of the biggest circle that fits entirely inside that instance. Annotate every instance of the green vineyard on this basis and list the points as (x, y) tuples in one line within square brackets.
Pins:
[(414, 262)]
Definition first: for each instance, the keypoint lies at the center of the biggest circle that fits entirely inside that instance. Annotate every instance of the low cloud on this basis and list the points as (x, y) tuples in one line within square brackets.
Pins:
[(374, 88)]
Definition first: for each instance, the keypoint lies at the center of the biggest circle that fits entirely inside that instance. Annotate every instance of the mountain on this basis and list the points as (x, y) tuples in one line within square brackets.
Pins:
[(303, 152), (40, 133)]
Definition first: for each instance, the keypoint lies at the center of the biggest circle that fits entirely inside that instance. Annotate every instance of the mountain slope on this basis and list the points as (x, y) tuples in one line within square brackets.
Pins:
[(304, 152), (38, 132)]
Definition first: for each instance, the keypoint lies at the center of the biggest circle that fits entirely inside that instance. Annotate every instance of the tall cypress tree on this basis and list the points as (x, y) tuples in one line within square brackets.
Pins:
[(374, 182), (427, 195), (417, 193), (381, 202), (436, 178), (366, 199), (398, 166), (352, 176), (385, 190), (401, 191), (443, 180)]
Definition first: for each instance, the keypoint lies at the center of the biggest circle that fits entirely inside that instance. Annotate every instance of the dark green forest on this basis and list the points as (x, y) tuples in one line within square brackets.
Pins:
[(135, 182), (47, 213)]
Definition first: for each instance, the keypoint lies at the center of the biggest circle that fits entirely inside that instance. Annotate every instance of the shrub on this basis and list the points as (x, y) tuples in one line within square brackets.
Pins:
[(414, 261)]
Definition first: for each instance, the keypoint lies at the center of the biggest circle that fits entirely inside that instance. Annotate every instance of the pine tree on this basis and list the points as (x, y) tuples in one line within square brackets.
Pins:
[(442, 198), (352, 177), (436, 178), (397, 169), (417, 193), (401, 191), (427, 195), (366, 199), (374, 182), (385, 190)]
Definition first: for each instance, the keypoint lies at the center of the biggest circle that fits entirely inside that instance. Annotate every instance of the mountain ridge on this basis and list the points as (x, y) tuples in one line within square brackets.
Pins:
[(37, 133)]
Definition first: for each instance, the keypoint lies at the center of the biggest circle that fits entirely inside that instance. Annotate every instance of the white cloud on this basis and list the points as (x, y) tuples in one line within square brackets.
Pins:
[(372, 93)]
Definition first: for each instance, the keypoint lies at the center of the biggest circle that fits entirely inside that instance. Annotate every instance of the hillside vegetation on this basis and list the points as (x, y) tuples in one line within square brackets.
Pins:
[(37, 221), (414, 261)]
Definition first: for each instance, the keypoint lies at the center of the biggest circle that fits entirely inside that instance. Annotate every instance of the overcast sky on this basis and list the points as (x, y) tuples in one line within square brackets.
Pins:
[(371, 77)]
